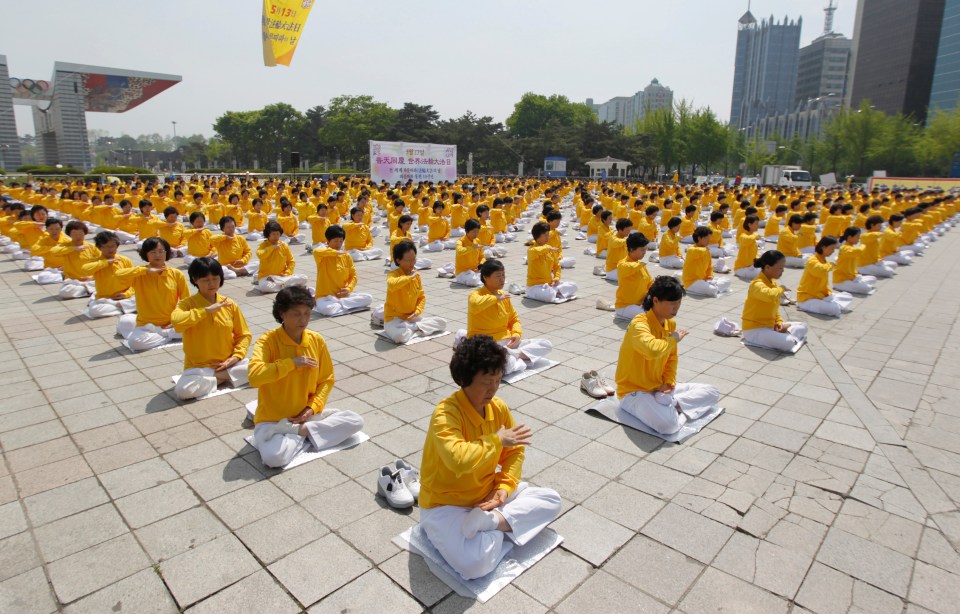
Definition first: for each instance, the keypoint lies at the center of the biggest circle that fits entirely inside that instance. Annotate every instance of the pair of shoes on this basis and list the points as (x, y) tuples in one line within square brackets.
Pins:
[(391, 487), (515, 288), (444, 274), (599, 270), (596, 385), (605, 305)]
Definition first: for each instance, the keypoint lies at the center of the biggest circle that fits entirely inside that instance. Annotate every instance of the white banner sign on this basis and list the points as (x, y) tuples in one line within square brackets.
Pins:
[(393, 162)]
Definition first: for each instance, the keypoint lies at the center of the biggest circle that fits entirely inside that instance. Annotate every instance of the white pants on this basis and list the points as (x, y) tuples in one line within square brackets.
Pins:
[(797, 262), (251, 267), (720, 265), (401, 331), (769, 338), (420, 264), (360, 255), (275, 283), (33, 263), (916, 247), (671, 262), (74, 288), (254, 236), (505, 237), (107, 307), (667, 413), (202, 381), (591, 238), (49, 276), (747, 273), (125, 237), (545, 293), (532, 349), (328, 428), (294, 239), (455, 233), (146, 337), (568, 262), (612, 275), (467, 278), (809, 251), (720, 252), (494, 252), (711, 288), (904, 257), (528, 510), (861, 284), (629, 312), (833, 305), (331, 305), (439, 245), (884, 268)]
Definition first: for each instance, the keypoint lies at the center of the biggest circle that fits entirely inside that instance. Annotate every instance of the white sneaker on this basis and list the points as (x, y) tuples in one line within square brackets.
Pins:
[(605, 305), (590, 384), (410, 476), (607, 385), (515, 288), (599, 270), (444, 274), (390, 486)]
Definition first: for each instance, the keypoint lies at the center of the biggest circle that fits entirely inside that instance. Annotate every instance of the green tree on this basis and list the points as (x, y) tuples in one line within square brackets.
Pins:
[(707, 140), (935, 148), (415, 123), (532, 113), (351, 121)]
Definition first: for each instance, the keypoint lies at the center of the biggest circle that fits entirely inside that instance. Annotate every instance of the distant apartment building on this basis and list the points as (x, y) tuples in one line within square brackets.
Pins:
[(626, 111), (946, 75)]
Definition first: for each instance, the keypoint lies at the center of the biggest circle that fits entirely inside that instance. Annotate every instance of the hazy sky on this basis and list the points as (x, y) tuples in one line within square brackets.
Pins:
[(455, 55)]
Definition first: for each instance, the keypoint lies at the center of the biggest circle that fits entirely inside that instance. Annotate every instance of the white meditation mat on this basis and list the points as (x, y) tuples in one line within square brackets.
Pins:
[(539, 367), (610, 408), (346, 312), (554, 302), (309, 453), (417, 339), (515, 561), (224, 388), (793, 350), (164, 346)]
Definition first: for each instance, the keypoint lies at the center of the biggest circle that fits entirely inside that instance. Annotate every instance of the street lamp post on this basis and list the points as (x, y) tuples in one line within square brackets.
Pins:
[(784, 147)]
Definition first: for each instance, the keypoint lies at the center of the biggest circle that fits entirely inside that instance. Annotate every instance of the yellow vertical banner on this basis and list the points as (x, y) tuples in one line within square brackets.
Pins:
[(282, 27)]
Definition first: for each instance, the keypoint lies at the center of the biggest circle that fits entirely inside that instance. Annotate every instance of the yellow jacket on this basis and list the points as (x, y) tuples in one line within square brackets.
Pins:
[(542, 265), (889, 242), (871, 248), (469, 255), (105, 275), (404, 295), (747, 250), (439, 228), (174, 234), (762, 307), (358, 236), (616, 251), (633, 282), (74, 258), (231, 249), (847, 263), (210, 338), (788, 242), (669, 245), (462, 451), (256, 221), (275, 260), (44, 245), (487, 315), (318, 228), (283, 389), (199, 242), (648, 355), (697, 265), (157, 295), (814, 283), (335, 270)]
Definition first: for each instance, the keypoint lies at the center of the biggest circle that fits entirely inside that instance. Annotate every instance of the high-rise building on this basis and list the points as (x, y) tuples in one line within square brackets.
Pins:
[(824, 64), (9, 143), (945, 91), (626, 111), (894, 54), (765, 73)]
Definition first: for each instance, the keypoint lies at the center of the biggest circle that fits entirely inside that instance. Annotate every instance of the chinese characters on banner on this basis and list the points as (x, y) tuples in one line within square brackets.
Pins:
[(282, 27), (392, 162)]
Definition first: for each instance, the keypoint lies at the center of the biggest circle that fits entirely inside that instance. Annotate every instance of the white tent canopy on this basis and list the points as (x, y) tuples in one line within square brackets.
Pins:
[(604, 167)]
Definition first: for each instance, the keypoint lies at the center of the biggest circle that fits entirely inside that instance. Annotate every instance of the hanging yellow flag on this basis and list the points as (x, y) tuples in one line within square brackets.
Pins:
[(282, 27)]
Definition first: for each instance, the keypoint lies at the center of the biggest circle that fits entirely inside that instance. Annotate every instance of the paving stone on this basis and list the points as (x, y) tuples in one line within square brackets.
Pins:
[(870, 562), (777, 569), (371, 534), (655, 479), (715, 588), (18, 555), (60, 502), (148, 506), (700, 538), (94, 568), (206, 569), (589, 535), (297, 571), (343, 504), (655, 569), (509, 599), (27, 593), (250, 503), (181, 532), (371, 591), (143, 592), (256, 593), (136, 477), (605, 593), (75, 533), (261, 536), (624, 505)]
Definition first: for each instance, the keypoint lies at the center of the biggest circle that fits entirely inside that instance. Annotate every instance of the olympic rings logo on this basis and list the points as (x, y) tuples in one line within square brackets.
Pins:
[(26, 87)]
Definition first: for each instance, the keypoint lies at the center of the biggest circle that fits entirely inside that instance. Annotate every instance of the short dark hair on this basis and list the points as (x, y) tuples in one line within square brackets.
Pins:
[(477, 354), (489, 267), (193, 216), (76, 225), (664, 288), (825, 242), (290, 297), (203, 266), (105, 236), (226, 220), (403, 219), (651, 210), (401, 249), (271, 227), (701, 231), (335, 231), (851, 231), (553, 214), (624, 223), (873, 220), (170, 211), (768, 258), (796, 218), (635, 240), (539, 229), (51, 221), (674, 222), (471, 225), (151, 244), (750, 219)]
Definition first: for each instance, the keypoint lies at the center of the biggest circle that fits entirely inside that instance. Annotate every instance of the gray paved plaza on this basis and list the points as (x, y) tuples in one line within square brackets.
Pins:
[(831, 483)]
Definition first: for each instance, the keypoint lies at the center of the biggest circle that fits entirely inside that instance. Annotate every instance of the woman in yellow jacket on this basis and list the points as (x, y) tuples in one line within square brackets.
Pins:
[(402, 233), (647, 365), (474, 508), (158, 289), (634, 279), (788, 242), (51, 265), (813, 293), (761, 322), (276, 262), (491, 312), (845, 275), (402, 314), (698, 268), (543, 269), (869, 261), (215, 334), (748, 244), (76, 283), (233, 251), (293, 374), (337, 277), (669, 253), (114, 295)]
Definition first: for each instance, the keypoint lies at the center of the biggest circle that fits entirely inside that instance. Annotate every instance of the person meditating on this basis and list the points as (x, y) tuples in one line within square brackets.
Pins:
[(473, 506), (762, 324), (491, 312), (337, 277), (293, 374), (647, 366), (215, 334), (402, 313)]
